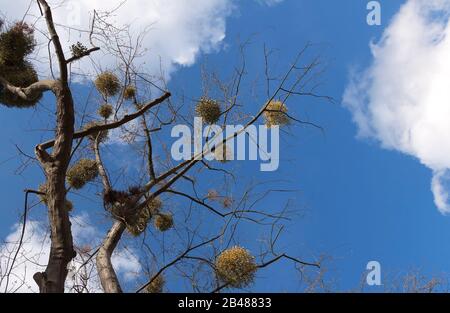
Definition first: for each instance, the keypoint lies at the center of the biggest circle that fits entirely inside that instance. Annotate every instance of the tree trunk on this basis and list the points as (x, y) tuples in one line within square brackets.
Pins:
[(55, 167), (108, 277)]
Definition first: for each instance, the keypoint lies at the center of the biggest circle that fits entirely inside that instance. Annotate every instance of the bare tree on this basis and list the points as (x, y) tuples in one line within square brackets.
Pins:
[(207, 260)]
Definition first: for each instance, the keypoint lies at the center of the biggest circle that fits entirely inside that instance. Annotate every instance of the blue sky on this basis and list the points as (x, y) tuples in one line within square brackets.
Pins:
[(359, 202)]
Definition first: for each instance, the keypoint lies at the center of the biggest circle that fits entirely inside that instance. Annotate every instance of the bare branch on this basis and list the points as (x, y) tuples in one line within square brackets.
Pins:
[(55, 40), (117, 124), (84, 54), (31, 92)]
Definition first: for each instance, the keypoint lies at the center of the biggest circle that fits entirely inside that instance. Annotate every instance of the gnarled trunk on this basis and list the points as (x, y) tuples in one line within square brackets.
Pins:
[(55, 167), (108, 277)]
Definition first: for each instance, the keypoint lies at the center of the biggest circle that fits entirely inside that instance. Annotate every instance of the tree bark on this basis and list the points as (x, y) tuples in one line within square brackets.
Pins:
[(108, 277), (55, 167)]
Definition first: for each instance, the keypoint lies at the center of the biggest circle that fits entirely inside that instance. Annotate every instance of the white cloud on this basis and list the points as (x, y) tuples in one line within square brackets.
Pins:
[(270, 2), (179, 29), (438, 188), (35, 252), (126, 263), (403, 99), (32, 256)]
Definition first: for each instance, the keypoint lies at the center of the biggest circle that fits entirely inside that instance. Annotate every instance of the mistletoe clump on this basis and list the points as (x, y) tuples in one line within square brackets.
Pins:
[(122, 206), (137, 223), (209, 110), (15, 45), (212, 195), (227, 202), (222, 153), (108, 84), (236, 267), (105, 111), (101, 135), (157, 284), (129, 93), (164, 221), (276, 114), (78, 50), (22, 75), (154, 206), (81, 173), (116, 202), (43, 189), (69, 206)]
